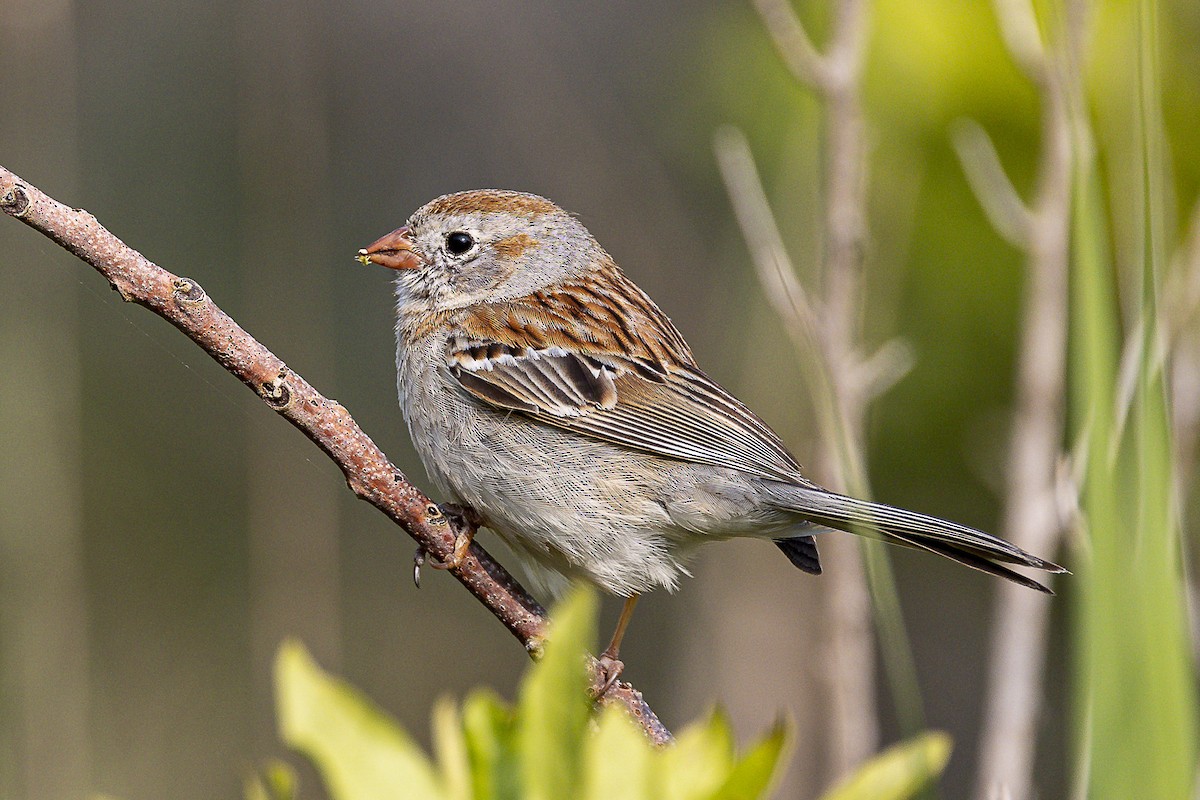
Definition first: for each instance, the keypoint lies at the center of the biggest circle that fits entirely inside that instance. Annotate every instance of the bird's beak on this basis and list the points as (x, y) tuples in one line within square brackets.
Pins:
[(394, 251)]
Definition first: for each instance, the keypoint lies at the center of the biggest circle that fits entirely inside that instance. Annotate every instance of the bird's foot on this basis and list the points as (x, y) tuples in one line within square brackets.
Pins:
[(462, 544), (608, 670), (608, 666), (471, 521)]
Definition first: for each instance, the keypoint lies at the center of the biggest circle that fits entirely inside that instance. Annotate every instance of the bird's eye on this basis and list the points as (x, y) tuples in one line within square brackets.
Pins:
[(459, 242)]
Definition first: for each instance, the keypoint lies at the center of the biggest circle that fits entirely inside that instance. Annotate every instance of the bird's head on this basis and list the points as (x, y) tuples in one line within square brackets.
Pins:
[(483, 246)]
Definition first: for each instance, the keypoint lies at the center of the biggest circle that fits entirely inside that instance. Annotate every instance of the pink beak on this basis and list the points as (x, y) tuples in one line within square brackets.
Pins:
[(394, 251)]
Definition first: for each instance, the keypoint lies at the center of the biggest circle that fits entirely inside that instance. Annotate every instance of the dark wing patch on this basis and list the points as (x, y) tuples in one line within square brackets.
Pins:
[(690, 418), (552, 380), (491, 393)]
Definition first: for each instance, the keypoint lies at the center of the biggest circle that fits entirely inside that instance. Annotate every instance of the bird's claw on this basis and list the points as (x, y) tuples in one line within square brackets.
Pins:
[(608, 670), (471, 521), (418, 562)]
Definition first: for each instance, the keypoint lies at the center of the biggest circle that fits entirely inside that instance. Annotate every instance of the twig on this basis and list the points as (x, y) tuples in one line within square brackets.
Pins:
[(1019, 27), (830, 330), (369, 473), (776, 273), (1031, 519), (792, 42), (990, 183), (849, 676)]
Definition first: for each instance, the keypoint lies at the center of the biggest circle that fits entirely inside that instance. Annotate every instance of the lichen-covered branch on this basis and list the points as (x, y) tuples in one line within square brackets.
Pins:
[(369, 473)]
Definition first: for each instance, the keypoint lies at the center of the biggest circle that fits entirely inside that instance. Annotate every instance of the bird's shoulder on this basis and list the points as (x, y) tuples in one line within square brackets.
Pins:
[(601, 314)]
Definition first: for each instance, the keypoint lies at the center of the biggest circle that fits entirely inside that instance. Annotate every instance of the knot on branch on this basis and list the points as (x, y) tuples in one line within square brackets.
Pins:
[(188, 294), (275, 392), (15, 201)]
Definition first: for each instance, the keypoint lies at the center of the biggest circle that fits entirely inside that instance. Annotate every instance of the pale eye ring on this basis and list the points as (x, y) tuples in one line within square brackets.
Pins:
[(459, 242)]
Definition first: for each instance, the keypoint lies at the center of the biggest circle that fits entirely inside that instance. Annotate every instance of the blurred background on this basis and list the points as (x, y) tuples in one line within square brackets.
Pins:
[(162, 531)]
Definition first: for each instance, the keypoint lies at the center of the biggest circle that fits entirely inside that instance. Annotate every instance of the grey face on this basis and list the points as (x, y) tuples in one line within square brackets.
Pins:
[(491, 256)]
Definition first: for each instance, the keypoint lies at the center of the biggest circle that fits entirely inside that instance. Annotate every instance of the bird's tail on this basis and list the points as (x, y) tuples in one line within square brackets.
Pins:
[(975, 549)]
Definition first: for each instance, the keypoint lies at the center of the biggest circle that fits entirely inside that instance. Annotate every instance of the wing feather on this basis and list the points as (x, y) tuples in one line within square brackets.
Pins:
[(601, 359), (492, 393), (686, 417)]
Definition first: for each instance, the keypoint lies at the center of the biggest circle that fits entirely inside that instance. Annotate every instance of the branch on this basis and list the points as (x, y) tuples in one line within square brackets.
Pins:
[(1019, 27), (369, 473), (797, 310), (1183, 296), (824, 330), (990, 183), (792, 41), (1183, 293), (1033, 508)]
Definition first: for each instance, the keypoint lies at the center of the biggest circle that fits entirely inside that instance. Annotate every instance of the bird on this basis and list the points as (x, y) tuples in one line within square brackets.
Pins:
[(549, 396)]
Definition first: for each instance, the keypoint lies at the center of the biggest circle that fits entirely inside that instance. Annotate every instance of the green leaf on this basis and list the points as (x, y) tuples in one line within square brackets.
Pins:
[(1136, 698), (543, 750), (450, 745), (699, 761), (490, 729), (277, 783), (617, 759), (753, 774), (554, 707), (360, 752), (553, 710), (899, 772)]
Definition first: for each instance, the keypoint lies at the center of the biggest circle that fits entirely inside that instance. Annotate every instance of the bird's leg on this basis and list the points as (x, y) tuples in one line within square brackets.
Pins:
[(609, 665), (471, 521)]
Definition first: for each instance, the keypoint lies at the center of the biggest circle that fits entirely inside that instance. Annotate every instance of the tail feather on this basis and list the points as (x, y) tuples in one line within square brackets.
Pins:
[(802, 552), (967, 546), (970, 559)]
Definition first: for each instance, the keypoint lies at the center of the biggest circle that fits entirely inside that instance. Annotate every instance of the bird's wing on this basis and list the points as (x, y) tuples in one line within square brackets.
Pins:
[(615, 369)]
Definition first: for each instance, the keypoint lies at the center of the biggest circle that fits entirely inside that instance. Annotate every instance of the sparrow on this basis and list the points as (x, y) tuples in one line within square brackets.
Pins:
[(546, 392)]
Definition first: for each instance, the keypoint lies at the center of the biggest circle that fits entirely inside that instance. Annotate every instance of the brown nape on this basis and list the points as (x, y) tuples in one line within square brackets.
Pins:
[(514, 246), (492, 200)]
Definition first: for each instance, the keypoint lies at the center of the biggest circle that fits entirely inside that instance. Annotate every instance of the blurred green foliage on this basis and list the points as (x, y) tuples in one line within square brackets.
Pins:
[(541, 749), (1135, 681), (900, 772), (547, 746), (943, 279)]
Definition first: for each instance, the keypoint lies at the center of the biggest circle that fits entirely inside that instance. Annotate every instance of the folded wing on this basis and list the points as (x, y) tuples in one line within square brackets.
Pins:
[(643, 397)]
